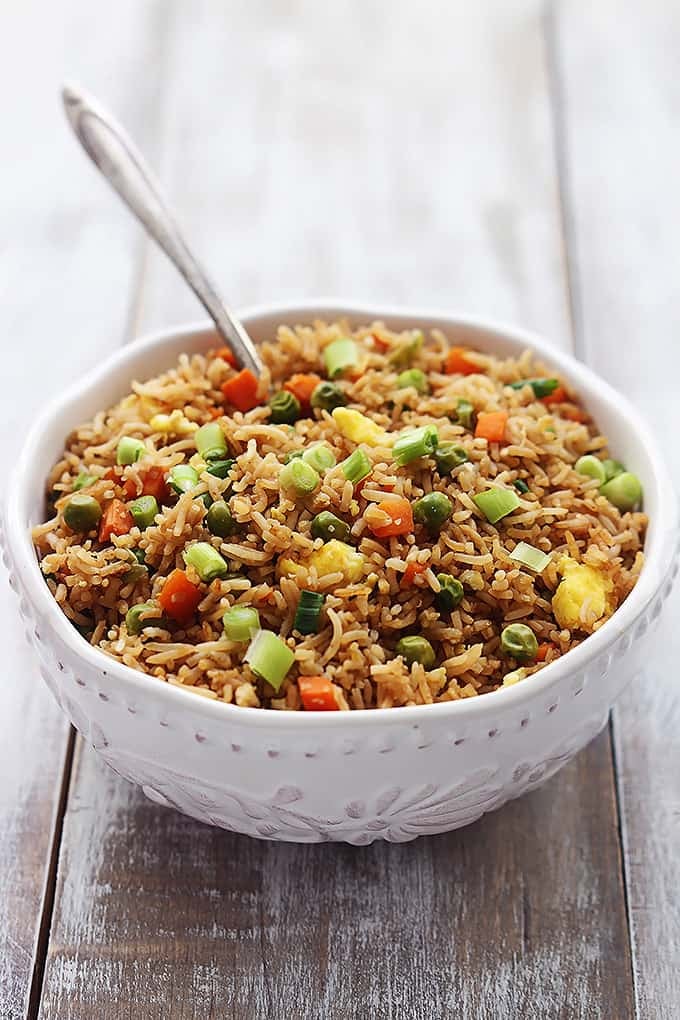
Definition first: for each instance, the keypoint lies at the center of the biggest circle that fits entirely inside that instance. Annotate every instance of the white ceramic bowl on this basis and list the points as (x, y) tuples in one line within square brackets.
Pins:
[(383, 774)]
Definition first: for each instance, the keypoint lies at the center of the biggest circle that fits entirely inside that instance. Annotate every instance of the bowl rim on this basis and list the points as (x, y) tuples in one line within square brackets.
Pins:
[(653, 574)]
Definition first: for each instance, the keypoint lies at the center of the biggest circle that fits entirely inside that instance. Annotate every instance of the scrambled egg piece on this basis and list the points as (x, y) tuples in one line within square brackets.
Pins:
[(582, 596), (336, 556), (333, 557), (357, 427), (174, 423)]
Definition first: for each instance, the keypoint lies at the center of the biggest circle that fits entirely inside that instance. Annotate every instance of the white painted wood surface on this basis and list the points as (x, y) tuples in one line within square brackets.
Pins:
[(620, 116), (399, 154), (67, 268), (355, 172)]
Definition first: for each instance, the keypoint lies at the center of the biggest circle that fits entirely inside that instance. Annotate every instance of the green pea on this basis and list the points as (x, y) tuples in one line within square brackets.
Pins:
[(519, 641), (612, 468), (450, 594), (327, 396), (465, 413), (414, 377), (591, 467), (624, 491), (133, 618), (327, 526), (219, 520), (416, 649), (285, 408), (82, 513), (449, 456), (432, 510)]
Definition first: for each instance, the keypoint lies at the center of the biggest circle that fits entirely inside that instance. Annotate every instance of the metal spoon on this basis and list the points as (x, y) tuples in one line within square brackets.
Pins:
[(116, 156)]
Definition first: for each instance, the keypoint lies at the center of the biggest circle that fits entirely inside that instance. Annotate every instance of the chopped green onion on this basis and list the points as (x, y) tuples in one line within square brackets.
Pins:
[(82, 512), (450, 594), (519, 641), (404, 353), (292, 456), (327, 526), (241, 623), (308, 612), (211, 442), (339, 356), (415, 443), (465, 413), (356, 466), (139, 556), (414, 377), (531, 557), (449, 456), (137, 572), (623, 491), (432, 510), (133, 618), (298, 479), (221, 468), (320, 457), (285, 408), (206, 561), (521, 486), (143, 511), (612, 468), (416, 649), (541, 387), (327, 396), (496, 503), (269, 657), (591, 467), (129, 450), (83, 481), (182, 478), (219, 521)]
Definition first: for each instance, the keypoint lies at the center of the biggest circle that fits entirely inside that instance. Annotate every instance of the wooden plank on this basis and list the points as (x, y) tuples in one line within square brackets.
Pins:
[(518, 915), (617, 65), (62, 260), (338, 161)]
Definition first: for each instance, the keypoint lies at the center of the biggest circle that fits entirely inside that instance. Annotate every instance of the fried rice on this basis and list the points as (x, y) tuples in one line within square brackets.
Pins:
[(393, 589)]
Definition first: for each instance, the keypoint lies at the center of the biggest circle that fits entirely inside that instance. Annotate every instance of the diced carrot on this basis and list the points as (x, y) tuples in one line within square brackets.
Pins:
[(411, 572), (317, 694), (457, 362), (543, 651), (382, 345), (226, 354), (241, 390), (557, 396), (401, 518), (116, 520), (179, 597), (216, 412), (128, 486), (154, 484), (574, 413), (491, 426), (302, 386)]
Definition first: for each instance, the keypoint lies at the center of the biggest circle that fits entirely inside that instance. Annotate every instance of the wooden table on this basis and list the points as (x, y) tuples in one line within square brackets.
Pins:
[(497, 157)]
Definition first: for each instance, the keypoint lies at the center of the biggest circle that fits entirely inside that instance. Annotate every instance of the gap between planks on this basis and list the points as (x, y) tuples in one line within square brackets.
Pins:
[(141, 260)]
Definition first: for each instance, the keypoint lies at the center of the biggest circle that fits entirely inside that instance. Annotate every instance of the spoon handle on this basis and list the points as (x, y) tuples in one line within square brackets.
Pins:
[(115, 155)]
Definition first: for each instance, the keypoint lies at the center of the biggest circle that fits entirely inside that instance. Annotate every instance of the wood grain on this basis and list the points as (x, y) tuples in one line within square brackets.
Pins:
[(66, 273), (620, 90), (333, 149)]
